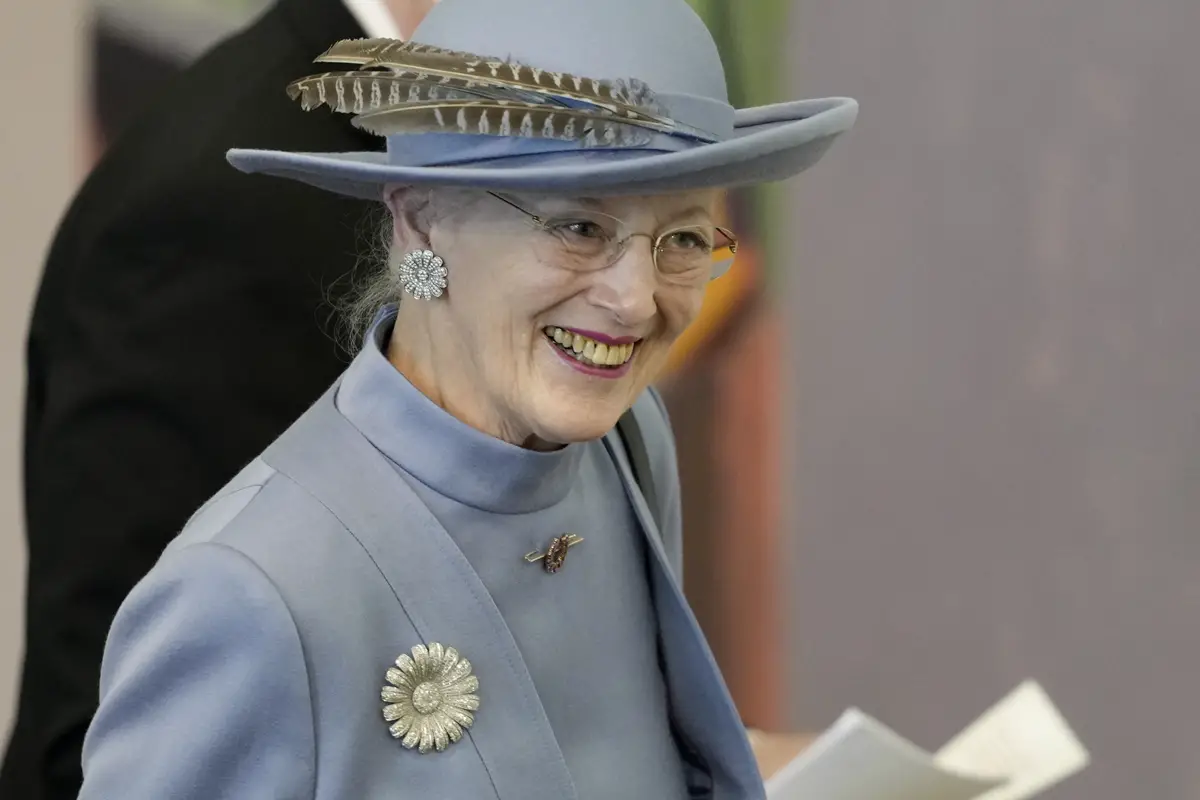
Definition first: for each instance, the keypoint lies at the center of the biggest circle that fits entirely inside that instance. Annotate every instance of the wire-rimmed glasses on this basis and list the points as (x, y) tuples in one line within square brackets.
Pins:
[(590, 240)]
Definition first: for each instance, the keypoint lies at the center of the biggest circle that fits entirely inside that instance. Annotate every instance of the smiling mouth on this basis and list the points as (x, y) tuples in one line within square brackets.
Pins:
[(589, 351)]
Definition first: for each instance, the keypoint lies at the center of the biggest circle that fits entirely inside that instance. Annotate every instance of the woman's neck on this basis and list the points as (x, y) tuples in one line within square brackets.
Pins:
[(417, 354)]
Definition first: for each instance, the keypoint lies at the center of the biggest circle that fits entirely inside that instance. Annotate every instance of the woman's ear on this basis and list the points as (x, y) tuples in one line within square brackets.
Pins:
[(410, 208)]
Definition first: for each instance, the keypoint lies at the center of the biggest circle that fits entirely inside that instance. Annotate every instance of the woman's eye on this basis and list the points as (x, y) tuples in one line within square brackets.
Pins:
[(687, 240), (584, 229)]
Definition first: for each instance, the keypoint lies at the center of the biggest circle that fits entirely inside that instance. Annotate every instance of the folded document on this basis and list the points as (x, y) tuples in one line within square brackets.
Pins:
[(1018, 748)]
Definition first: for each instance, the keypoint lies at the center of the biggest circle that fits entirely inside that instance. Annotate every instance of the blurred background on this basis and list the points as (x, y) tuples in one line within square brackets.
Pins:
[(939, 430)]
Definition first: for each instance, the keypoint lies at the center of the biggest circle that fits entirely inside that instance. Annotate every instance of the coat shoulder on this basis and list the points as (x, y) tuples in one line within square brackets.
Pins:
[(267, 517)]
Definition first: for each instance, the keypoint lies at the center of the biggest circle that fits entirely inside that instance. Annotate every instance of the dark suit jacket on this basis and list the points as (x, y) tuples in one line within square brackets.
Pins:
[(180, 326)]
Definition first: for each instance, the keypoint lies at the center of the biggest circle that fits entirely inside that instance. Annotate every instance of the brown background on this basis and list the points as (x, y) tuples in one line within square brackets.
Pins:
[(994, 362)]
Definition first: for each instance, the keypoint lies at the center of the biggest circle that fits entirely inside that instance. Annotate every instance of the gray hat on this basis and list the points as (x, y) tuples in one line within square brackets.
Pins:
[(652, 114)]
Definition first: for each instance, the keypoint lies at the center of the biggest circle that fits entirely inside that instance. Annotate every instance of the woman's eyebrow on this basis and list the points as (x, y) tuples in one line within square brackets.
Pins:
[(598, 204), (562, 201), (694, 211)]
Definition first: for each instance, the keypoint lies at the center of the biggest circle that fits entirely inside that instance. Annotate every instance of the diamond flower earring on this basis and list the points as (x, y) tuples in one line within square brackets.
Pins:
[(423, 274)]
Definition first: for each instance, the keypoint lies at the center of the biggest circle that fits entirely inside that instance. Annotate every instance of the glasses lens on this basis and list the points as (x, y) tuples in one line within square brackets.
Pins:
[(724, 252), (585, 240), (700, 250)]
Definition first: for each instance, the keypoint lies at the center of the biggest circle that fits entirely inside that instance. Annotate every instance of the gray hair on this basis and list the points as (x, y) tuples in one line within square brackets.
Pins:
[(373, 283)]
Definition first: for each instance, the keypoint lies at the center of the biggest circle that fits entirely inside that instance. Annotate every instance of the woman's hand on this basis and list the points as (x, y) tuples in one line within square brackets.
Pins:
[(773, 750)]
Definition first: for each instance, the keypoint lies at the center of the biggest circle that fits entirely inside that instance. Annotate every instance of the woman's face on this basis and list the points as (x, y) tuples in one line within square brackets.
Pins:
[(548, 331)]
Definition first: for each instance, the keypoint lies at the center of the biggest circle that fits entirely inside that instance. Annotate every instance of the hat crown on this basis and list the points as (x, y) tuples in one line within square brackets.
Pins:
[(661, 42), (694, 139)]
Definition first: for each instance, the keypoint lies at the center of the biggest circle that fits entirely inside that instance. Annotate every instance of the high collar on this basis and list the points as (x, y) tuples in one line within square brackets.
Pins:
[(441, 451)]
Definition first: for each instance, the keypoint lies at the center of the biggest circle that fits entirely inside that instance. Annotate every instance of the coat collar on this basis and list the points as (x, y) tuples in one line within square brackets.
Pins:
[(446, 601), (702, 709), (443, 597), (442, 452)]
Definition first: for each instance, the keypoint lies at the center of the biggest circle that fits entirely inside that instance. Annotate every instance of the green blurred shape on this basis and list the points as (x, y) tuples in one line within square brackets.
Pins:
[(751, 36)]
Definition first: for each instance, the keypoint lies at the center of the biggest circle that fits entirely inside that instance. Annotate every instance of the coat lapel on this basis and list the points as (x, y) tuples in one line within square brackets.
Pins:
[(438, 590), (702, 709)]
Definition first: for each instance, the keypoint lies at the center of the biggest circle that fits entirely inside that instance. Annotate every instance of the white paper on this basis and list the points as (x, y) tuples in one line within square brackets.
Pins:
[(861, 759), (1018, 748), (1024, 737)]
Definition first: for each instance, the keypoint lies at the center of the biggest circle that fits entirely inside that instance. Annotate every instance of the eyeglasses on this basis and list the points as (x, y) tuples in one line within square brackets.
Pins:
[(592, 240)]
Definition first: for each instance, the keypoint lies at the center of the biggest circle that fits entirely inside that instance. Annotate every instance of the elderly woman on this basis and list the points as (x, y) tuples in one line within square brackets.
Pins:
[(457, 576)]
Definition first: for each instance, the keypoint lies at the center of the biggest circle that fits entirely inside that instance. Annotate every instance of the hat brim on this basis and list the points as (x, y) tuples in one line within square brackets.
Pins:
[(770, 143)]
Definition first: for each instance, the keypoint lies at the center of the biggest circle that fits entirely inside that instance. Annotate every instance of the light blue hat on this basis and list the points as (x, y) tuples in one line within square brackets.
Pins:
[(652, 114)]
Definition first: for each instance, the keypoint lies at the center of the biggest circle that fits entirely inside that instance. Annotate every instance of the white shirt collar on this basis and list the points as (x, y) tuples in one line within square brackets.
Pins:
[(374, 17)]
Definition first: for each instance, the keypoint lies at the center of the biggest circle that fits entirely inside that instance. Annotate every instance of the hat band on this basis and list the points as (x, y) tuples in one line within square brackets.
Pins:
[(456, 149), (452, 149)]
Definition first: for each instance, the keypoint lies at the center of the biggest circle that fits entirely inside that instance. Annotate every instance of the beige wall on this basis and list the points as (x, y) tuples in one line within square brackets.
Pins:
[(39, 164), (995, 352)]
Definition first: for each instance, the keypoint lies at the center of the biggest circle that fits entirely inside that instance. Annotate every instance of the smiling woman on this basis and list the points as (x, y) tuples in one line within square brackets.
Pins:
[(550, 237), (559, 311)]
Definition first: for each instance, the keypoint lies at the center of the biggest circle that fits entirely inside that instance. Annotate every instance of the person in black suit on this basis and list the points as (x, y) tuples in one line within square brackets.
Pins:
[(175, 288)]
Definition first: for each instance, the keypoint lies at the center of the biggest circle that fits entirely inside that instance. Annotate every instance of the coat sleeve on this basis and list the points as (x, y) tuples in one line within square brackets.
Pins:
[(151, 383), (204, 691)]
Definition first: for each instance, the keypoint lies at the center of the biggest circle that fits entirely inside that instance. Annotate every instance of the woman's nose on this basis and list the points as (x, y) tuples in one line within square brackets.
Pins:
[(626, 288)]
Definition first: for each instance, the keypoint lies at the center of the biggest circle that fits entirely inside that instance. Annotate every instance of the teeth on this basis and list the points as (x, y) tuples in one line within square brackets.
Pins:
[(588, 350)]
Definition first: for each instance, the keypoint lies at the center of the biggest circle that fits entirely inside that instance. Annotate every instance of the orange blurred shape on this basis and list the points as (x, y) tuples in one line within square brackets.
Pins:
[(722, 298)]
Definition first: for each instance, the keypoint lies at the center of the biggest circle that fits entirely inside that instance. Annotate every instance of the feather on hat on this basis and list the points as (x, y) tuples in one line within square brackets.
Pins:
[(651, 114)]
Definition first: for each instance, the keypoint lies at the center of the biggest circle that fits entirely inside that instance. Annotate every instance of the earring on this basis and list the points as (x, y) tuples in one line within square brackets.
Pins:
[(423, 274)]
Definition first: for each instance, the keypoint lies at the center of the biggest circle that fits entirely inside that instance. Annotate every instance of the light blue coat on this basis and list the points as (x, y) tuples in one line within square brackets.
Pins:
[(230, 673)]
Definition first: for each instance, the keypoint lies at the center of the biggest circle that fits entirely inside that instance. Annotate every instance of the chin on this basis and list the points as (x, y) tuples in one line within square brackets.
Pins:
[(571, 422), (573, 405), (572, 433)]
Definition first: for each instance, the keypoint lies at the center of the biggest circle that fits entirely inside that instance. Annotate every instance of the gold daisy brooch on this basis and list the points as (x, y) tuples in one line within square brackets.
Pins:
[(430, 697)]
